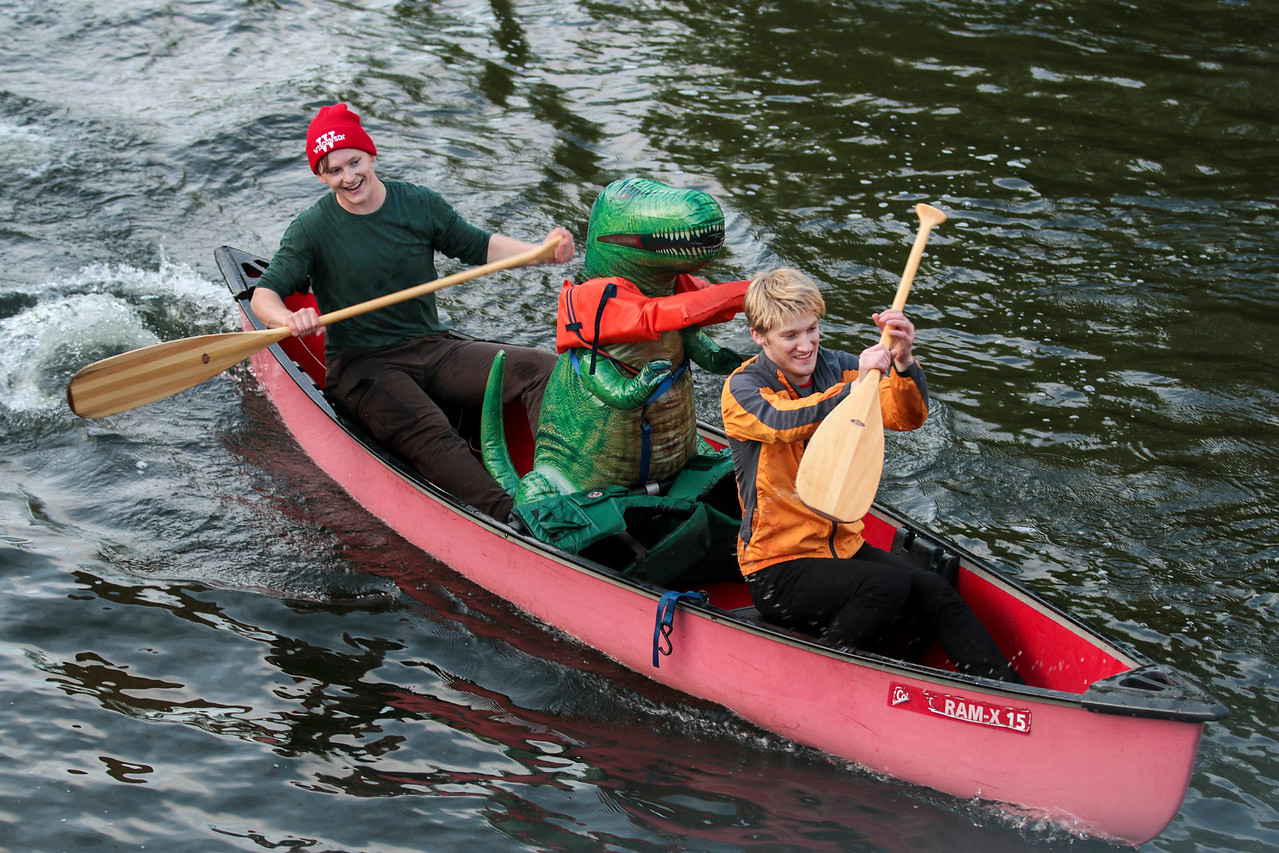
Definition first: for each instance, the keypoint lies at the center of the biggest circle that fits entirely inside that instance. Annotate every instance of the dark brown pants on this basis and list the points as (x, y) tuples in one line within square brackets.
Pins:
[(397, 393)]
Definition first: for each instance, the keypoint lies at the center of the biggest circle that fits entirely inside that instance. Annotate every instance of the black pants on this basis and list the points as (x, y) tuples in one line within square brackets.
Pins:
[(876, 602), (397, 393)]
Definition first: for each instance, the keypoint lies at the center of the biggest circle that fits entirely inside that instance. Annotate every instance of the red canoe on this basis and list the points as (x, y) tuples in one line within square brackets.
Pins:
[(1100, 741)]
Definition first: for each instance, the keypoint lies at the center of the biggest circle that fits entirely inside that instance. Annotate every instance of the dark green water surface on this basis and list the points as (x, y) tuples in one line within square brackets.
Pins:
[(199, 648)]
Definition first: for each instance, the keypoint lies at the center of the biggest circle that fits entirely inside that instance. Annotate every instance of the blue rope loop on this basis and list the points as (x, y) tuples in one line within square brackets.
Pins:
[(666, 618)]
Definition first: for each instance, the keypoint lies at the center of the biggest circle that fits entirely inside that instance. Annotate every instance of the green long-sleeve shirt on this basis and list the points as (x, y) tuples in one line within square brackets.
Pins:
[(350, 258)]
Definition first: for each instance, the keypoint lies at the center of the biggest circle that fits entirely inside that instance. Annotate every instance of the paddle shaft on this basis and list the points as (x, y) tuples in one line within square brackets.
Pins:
[(126, 381), (840, 471), (929, 218)]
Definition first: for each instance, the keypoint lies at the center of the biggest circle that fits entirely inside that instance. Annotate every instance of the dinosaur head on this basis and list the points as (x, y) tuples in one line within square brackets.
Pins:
[(649, 233)]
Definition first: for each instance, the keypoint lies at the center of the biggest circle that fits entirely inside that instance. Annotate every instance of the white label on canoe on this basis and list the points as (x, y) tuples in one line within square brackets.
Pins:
[(959, 708)]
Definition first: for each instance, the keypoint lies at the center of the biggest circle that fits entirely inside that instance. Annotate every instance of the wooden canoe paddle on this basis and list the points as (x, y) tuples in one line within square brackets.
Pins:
[(131, 379), (844, 460)]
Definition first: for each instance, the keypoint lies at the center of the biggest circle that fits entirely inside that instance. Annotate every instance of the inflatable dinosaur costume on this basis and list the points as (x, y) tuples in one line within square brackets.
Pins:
[(618, 409)]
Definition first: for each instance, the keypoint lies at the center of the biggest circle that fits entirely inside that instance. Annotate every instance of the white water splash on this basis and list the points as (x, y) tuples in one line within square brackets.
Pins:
[(100, 311), (38, 346)]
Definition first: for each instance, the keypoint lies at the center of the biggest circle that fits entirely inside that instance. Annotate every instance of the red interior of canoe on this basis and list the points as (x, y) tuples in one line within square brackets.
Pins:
[(1045, 650)]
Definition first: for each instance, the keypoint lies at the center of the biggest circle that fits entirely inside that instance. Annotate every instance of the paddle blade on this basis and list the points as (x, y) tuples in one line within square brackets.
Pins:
[(131, 379), (844, 460)]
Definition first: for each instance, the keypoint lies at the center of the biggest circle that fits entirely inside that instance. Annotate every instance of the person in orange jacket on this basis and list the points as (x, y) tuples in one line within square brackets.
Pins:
[(805, 571)]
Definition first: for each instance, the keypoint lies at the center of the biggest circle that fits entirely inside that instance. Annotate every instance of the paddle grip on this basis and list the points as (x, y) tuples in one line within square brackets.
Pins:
[(929, 217)]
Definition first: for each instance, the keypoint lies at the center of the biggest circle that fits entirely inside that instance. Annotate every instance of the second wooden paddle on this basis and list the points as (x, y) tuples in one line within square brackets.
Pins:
[(131, 379), (844, 460)]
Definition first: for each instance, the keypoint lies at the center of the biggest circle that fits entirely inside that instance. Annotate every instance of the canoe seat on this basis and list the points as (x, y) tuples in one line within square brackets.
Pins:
[(919, 550)]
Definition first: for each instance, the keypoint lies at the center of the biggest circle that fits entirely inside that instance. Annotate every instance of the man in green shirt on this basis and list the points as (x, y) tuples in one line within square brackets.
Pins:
[(393, 368)]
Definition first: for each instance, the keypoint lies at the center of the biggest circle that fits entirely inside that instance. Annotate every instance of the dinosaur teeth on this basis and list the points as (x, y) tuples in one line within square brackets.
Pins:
[(687, 242)]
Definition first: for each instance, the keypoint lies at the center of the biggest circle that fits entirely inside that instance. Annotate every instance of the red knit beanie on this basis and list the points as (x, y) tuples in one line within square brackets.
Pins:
[(332, 128)]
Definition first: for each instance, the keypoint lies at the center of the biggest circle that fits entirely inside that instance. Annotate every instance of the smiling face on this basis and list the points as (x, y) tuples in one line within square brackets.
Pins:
[(349, 173), (792, 346)]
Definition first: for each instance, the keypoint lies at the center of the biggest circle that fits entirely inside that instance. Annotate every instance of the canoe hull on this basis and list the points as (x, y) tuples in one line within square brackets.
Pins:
[(1035, 751)]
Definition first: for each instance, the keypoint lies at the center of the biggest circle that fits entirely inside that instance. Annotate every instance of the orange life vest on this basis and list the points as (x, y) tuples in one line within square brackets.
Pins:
[(614, 311)]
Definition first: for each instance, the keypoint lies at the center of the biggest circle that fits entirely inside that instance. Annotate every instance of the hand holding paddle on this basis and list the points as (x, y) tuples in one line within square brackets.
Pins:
[(126, 381), (844, 460)]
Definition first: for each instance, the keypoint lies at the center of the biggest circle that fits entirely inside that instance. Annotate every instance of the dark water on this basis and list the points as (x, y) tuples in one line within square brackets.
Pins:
[(204, 643)]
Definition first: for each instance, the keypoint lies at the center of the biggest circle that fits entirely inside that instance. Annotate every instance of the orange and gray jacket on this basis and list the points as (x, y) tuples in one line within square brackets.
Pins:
[(768, 425)]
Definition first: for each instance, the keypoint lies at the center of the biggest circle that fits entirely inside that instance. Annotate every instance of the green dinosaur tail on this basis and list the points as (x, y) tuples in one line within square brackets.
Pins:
[(493, 449)]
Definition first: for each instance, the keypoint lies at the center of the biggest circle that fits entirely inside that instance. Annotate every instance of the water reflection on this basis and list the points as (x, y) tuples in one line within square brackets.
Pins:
[(383, 722)]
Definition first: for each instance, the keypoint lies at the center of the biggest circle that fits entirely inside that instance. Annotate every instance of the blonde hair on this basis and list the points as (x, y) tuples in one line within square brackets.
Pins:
[(776, 296)]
